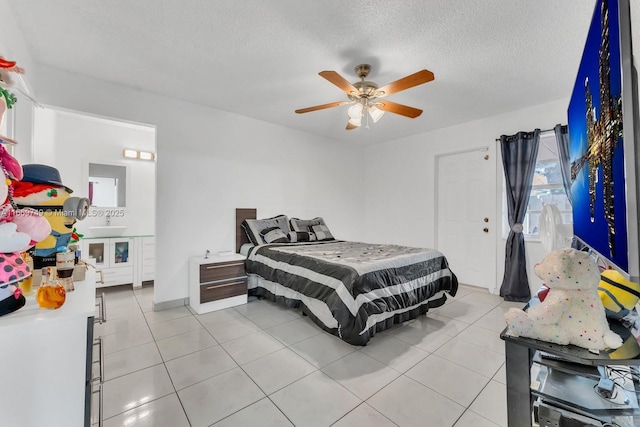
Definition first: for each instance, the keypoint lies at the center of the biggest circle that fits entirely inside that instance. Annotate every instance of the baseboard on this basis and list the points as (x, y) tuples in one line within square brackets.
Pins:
[(165, 305)]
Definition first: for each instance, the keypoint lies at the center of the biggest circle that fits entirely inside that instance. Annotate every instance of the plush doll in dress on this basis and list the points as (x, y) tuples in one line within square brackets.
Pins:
[(13, 239), (20, 229), (572, 312)]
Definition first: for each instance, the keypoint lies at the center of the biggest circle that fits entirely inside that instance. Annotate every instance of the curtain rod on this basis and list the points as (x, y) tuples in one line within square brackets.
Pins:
[(542, 131)]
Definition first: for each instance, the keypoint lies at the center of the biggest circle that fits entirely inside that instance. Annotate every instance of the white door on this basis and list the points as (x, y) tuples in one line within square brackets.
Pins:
[(466, 223)]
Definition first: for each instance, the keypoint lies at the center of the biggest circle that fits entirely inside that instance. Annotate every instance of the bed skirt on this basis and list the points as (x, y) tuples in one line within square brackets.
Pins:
[(262, 288)]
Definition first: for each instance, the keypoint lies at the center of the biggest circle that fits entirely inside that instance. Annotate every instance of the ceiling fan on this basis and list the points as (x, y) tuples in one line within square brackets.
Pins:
[(365, 96)]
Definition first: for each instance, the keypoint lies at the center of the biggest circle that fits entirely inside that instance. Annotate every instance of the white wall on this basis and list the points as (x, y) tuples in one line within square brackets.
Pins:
[(13, 47), (69, 142), (211, 162), (400, 191)]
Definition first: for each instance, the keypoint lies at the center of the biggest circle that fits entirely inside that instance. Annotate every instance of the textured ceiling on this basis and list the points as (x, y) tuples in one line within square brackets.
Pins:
[(262, 58)]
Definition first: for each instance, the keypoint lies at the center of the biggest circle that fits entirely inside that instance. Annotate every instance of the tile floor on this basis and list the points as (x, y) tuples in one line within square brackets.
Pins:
[(262, 364)]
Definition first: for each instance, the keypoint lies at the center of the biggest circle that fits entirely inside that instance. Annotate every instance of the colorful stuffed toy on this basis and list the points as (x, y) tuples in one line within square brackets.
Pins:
[(572, 312)]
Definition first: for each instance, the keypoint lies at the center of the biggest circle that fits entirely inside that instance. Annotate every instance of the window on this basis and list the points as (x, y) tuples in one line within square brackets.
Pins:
[(547, 189)]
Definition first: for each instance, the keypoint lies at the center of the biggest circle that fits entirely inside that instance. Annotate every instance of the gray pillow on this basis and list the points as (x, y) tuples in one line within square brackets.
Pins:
[(253, 227), (322, 232), (316, 227)]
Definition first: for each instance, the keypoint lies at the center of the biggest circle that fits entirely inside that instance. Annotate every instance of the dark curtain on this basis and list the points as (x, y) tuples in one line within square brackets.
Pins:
[(562, 138), (519, 154)]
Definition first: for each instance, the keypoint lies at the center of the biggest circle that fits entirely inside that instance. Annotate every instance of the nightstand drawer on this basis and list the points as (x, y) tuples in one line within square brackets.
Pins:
[(222, 290), (217, 282), (221, 271)]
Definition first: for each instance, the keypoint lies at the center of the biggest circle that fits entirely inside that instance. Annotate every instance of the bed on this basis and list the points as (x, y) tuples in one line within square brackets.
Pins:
[(350, 289)]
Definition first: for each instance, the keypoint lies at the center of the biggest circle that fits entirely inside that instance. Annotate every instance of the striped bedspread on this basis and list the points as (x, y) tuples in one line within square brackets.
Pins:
[(351, 289)]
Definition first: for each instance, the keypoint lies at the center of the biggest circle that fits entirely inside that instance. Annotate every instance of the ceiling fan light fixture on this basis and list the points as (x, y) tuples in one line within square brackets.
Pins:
[(355, 111), (356, 121), (375, 113)]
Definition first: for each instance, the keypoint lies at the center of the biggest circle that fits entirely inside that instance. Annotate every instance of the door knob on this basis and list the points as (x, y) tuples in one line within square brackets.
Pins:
[(486, 220), (486, 230)]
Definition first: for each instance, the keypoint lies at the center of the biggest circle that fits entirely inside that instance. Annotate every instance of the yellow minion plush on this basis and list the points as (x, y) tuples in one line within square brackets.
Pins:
[(41, 188), (619, 295)]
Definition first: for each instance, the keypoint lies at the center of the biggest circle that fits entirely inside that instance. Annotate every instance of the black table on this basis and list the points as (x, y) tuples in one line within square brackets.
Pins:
[(519, 354)]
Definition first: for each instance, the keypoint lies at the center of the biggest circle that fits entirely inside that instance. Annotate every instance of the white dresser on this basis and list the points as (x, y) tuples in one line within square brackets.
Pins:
[(46, 361)]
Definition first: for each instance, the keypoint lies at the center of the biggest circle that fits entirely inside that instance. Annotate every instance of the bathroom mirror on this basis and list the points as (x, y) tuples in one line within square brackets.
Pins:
[(107, 185)]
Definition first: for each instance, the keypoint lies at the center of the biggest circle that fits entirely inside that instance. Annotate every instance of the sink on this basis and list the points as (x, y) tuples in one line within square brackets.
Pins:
[(107, 230)]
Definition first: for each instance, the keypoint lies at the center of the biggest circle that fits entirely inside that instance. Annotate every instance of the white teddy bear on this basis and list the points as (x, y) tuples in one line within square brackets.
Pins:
[(571, 312)]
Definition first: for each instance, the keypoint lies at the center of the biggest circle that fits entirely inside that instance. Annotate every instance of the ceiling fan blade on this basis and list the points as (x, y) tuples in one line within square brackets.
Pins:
[(403, 110), (350, 126), (415, 79), (339, 81), (321, 107)]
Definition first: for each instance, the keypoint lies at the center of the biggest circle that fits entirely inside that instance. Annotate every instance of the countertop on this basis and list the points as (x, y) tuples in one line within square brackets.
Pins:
[(78, 303)]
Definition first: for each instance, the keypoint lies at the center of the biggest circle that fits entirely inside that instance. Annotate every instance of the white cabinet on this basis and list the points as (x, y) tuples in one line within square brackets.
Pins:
[(112, 252), (46, 357), (122, 260), (148, 263), (114, 256)]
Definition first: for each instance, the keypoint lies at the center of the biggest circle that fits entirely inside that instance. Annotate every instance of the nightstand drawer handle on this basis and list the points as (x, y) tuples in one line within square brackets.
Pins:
[(225, 285), (210, 267)]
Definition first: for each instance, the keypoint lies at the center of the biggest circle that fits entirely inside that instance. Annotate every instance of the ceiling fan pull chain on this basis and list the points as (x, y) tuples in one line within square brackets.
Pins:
[(367, 114)]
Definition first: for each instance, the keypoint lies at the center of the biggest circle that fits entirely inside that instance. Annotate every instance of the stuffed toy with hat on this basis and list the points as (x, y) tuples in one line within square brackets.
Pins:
[(572, 312), (41, 189)]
